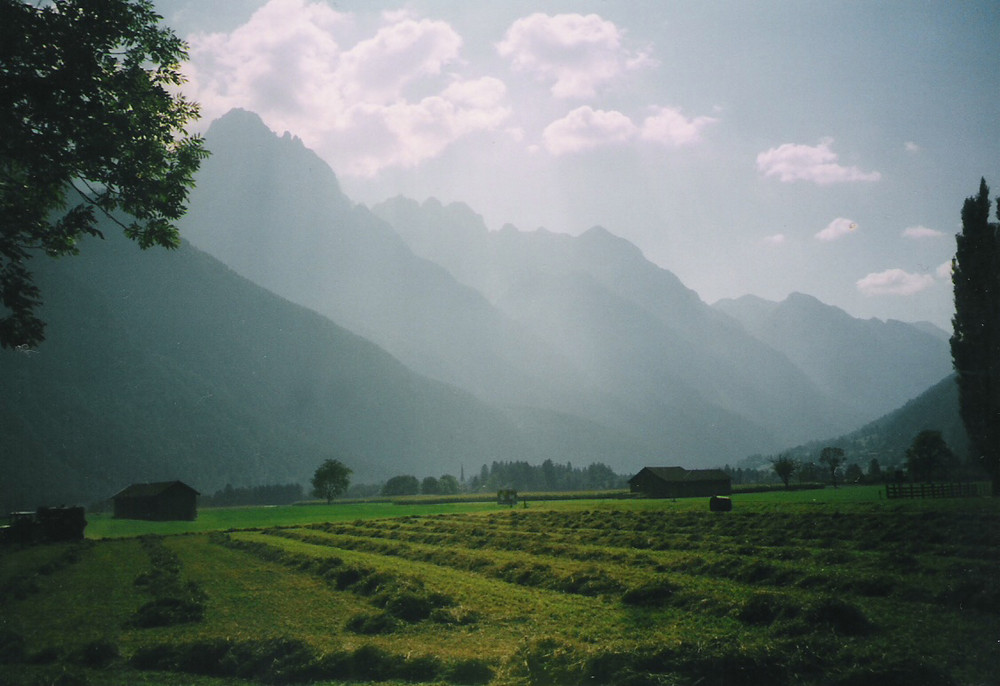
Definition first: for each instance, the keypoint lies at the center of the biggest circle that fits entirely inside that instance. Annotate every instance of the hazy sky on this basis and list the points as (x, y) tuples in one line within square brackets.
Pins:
[(749, 147)]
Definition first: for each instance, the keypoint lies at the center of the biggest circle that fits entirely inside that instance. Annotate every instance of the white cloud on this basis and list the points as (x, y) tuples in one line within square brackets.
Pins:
[(894, 282), (586, 128), (386, 100), (670, 127), (776, 239), (838, 228), (920, 232), (944, 270), (816, 163), (910, 146), (575, 53)]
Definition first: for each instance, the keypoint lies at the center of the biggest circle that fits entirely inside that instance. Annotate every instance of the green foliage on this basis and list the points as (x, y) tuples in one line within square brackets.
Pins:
[(929, 458), (975, 343), (784, 466), (278, 494), (401, 485), (330, 480), (448, 485), (548, 476), (91, 121), (832, 458)]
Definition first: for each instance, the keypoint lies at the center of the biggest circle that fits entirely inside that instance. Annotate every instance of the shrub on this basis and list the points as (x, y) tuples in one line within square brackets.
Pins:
[(277, 660), (424, 668), (550, 662), (371, 663), (840, 616), (471, 671), (654, 594), (766, 608), (379, 623), (11, 647), (589, 583), (96, 654), (409, 606), (167, 611), (909, 673), (459, 616)]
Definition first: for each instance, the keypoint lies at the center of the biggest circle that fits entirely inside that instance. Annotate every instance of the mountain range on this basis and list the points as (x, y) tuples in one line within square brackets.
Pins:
[(296, 325)]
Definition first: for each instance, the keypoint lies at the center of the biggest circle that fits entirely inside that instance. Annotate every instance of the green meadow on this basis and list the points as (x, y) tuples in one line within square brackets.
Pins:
[(835, 586)]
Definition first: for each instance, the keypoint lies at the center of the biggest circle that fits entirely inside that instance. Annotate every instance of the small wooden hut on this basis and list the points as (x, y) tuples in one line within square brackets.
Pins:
[(677, 482), (160, 501)]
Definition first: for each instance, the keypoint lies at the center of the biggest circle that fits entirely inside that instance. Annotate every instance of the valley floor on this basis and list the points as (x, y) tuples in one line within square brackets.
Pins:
[(818, 588)]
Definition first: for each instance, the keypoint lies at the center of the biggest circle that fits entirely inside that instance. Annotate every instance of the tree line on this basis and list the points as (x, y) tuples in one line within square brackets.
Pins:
[(927, 459), (280, 494)]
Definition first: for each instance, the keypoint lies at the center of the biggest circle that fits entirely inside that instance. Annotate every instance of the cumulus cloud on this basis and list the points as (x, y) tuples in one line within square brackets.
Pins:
[(776, 239), (921, 232), (894, 282), (944, 270), (667, 125), (910, 146), (586, 128), (575, 53), (294, 63), (816, 163), (836, 229)]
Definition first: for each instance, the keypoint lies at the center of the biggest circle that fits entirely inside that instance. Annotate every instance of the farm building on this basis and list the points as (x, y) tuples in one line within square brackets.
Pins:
[(161, 501), (677, 482)]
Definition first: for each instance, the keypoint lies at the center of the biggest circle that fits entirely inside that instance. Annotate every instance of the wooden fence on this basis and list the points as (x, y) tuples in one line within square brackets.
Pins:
[(951, 490)]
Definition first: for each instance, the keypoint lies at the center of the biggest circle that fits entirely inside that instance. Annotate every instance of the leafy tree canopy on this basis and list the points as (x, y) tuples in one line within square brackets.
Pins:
[(929, 458), (832, 457), (91, 121), (401, 485), (784, 466), (330, 480)]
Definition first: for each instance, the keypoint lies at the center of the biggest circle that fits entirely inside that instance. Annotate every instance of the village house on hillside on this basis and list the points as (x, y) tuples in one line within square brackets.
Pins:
[(160, 501), (677, 482)]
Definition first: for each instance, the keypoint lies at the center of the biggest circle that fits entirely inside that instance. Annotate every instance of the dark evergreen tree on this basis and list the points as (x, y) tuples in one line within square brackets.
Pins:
[(975, 342)]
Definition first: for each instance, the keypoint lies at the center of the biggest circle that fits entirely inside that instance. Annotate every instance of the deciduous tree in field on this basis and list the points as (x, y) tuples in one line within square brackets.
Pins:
[(330, 480), (448, 485), (975, 341), (401, 485), (90, 120), (784, 467), (929, 458), (832, 458)]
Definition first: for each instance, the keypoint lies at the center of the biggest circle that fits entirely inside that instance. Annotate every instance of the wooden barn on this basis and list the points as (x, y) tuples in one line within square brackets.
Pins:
[(677, 482), (161, 501)]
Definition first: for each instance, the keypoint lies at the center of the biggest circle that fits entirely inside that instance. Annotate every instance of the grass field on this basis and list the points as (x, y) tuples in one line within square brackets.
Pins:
[(815, 587)]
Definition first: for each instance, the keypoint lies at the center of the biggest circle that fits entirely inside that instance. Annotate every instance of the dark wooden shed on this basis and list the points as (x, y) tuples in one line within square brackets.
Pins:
[(160, 501), (677, 482)]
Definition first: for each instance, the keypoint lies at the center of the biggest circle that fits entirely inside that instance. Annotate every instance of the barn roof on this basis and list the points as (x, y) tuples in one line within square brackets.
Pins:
[(686, 475), (149, 490)]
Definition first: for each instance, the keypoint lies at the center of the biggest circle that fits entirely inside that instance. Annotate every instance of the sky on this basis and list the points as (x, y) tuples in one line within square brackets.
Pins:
[(751, 148)]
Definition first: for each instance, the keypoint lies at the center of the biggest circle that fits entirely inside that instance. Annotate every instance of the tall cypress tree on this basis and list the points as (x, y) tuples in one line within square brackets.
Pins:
[(975, 343)]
